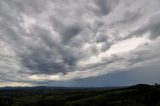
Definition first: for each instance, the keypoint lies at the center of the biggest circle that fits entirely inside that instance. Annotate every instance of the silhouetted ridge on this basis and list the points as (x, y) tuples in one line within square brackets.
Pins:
[(140, 86)]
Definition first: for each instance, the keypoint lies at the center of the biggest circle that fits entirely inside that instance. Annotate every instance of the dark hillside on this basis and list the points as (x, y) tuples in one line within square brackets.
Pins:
[(138, 95)]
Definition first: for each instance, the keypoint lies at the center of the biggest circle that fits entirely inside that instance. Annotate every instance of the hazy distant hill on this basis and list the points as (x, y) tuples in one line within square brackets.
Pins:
[(138, 95)]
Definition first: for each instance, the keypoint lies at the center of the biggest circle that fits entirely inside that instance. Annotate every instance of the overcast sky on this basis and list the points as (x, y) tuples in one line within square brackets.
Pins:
[(79, 42)]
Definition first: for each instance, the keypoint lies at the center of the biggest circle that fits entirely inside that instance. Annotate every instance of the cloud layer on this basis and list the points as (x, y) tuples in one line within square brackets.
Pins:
[(59, 40)]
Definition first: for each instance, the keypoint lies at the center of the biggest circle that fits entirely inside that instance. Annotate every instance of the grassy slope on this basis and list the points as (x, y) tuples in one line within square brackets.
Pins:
[(140, 95)]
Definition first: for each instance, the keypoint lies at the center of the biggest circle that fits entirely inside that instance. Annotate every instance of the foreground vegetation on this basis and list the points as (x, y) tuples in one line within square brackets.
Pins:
[(139, 95)]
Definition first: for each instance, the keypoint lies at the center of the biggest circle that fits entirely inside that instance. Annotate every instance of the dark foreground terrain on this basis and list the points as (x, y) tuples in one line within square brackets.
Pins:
[(138, 95)]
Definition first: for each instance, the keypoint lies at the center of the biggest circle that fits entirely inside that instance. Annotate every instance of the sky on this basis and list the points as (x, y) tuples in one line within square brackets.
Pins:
[(81, 43)]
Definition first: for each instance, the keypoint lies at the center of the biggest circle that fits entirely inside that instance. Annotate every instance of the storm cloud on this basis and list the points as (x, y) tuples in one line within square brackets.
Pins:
[(65, 40)]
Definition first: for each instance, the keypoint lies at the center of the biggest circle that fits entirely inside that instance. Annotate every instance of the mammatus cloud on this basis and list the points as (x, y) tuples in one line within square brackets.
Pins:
[(59, 40)]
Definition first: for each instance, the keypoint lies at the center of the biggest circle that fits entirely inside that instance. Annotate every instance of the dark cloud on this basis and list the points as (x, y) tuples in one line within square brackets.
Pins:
[(65, 40), (70, 32), (47, 56), (104, 7), (129, 18), (153, 27), (101, 38), (105, 47), (19, 7)]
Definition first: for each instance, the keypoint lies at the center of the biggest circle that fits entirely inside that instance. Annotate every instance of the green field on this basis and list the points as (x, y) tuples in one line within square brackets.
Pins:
[(138, 95)]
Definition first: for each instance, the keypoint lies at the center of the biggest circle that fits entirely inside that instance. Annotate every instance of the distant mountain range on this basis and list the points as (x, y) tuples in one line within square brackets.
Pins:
[(51, 87)]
